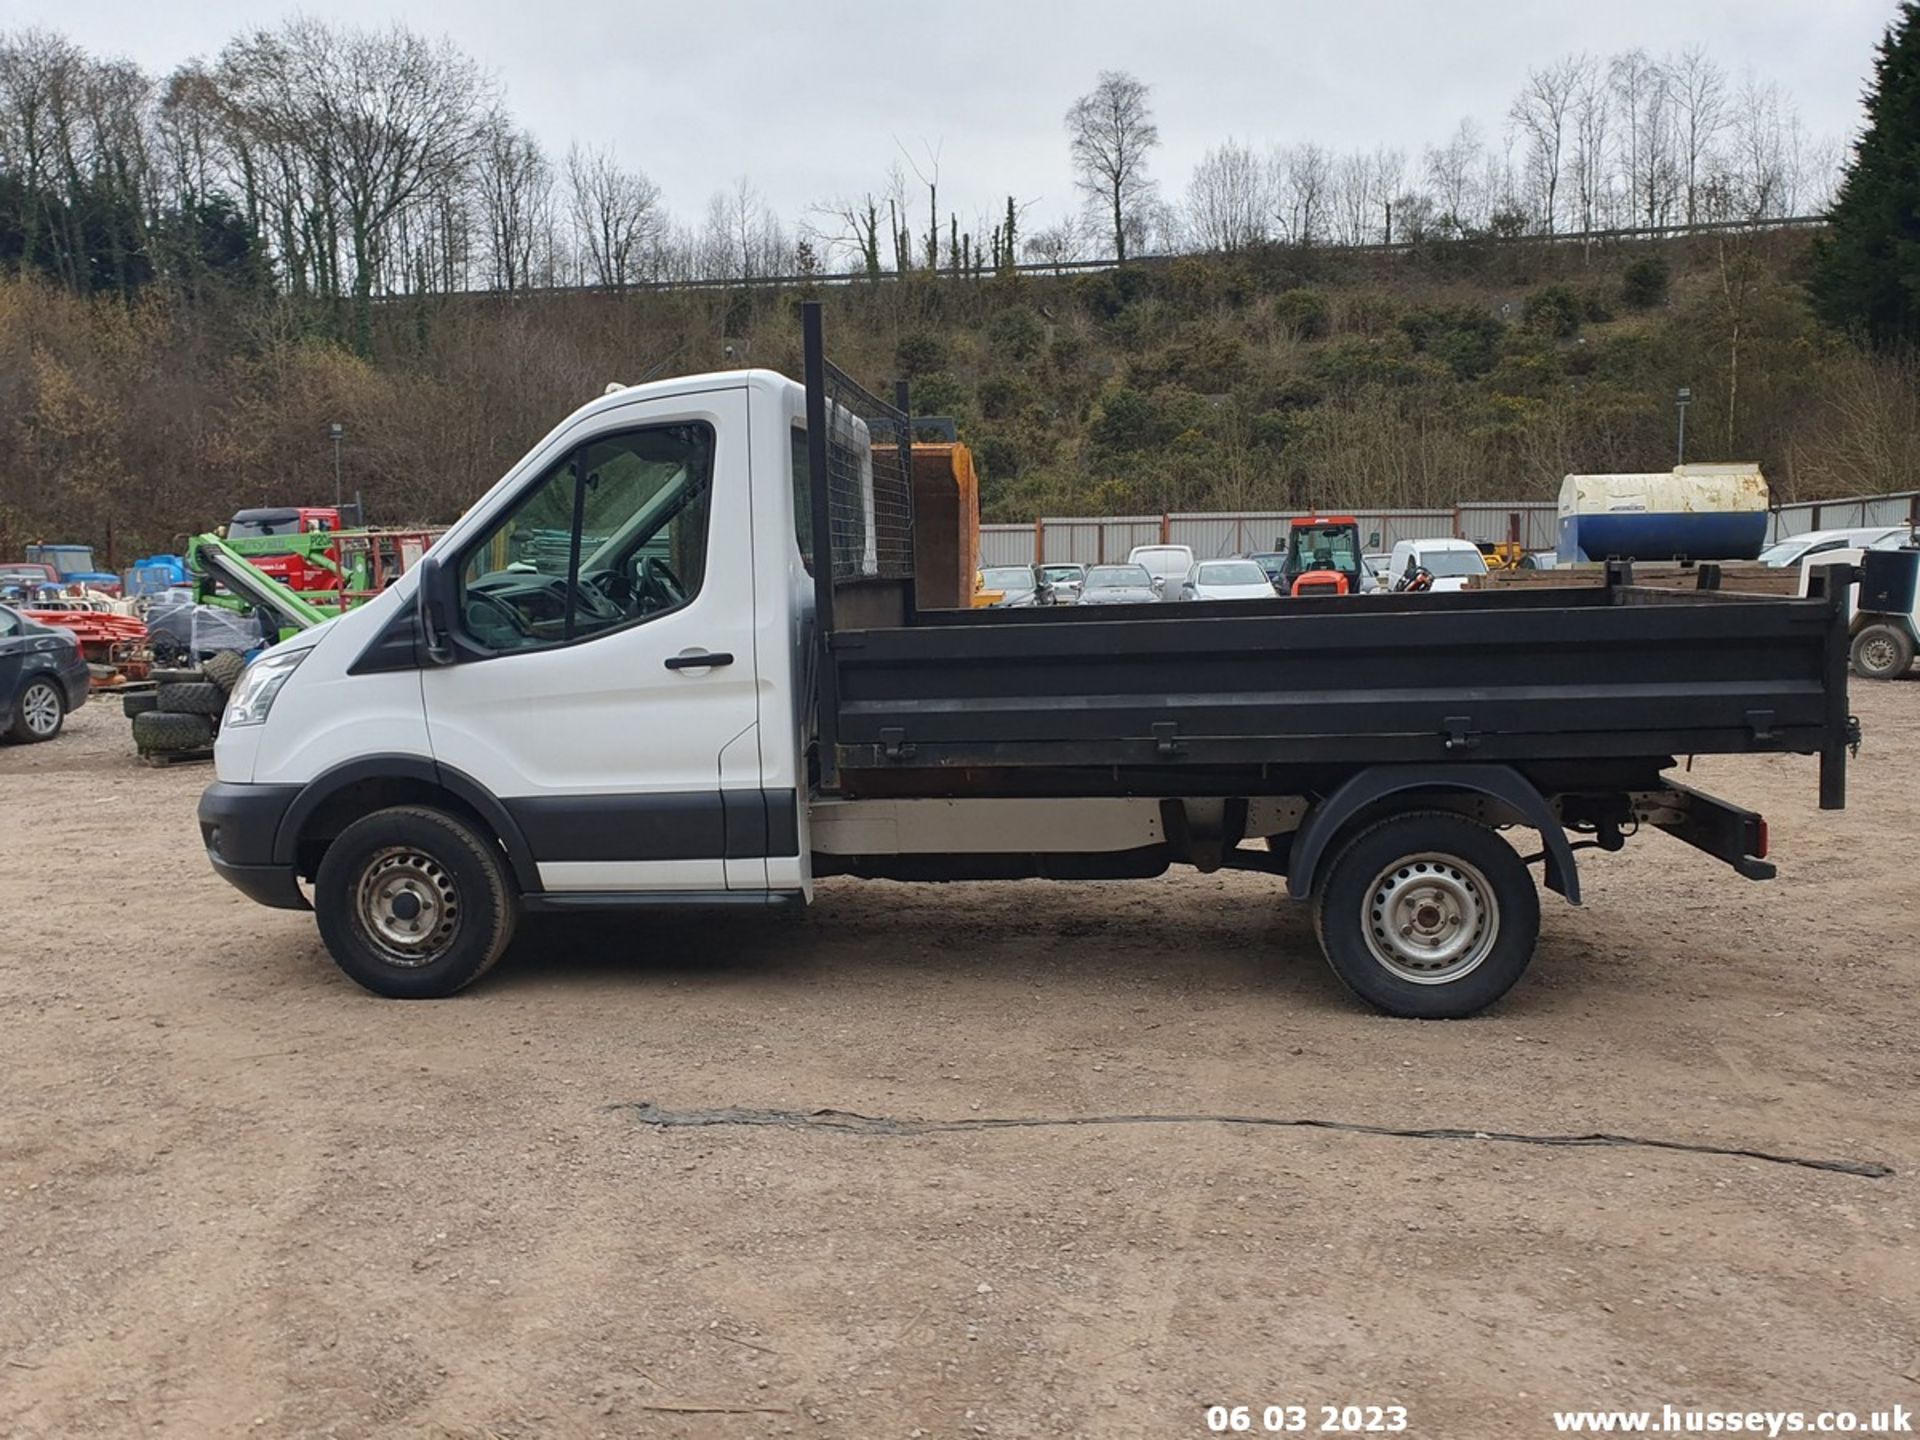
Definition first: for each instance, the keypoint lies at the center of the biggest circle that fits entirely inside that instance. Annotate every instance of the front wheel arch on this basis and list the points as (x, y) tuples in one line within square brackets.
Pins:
[(337, 798)]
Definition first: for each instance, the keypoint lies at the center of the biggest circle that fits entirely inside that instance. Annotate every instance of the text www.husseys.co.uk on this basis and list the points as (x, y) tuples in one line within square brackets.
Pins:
[(1671, 1420)]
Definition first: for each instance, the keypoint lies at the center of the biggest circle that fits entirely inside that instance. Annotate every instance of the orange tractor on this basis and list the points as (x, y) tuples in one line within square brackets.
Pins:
[(1322, 556)]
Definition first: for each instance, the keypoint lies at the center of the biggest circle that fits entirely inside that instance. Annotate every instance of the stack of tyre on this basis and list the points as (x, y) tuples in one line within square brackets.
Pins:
[(181, 714)]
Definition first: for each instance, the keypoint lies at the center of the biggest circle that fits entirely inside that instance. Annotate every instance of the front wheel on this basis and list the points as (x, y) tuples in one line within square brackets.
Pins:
[(40, 712), (413, 903), (1882, 652), (1428, 916)]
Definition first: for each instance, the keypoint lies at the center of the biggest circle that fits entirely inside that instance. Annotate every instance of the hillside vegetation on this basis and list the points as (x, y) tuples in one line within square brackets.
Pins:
[(1277, 378)]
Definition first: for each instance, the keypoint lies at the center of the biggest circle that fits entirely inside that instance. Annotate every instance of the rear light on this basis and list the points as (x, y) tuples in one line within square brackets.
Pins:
[(1760, 837)]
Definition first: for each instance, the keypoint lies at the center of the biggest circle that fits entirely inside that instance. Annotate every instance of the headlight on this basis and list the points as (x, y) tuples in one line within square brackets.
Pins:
[(253, 696)]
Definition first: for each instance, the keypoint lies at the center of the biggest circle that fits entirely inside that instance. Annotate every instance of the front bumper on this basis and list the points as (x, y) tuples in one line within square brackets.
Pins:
[(240, 826)]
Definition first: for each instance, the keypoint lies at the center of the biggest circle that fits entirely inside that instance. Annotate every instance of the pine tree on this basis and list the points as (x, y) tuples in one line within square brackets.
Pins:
[(1867, 266)]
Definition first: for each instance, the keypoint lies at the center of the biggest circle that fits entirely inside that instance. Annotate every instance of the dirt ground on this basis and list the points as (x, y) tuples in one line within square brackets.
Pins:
[(238, 1196)]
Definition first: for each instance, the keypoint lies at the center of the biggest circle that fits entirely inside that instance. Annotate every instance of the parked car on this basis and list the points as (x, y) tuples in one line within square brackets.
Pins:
[(1060, 584), (1167, 564), (1014, 583), (1275, 566), (1449, 563), (42, 677), (1539, 560), (1380, 564), (1796, 548), (1119, 585), (1226, 580)]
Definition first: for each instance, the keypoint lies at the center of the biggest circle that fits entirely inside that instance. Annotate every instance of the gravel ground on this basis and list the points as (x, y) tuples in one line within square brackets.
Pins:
[(240, 1196)]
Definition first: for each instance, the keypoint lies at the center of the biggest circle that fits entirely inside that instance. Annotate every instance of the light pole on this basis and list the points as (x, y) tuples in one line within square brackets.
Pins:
[(338, 432), (1680, 403)]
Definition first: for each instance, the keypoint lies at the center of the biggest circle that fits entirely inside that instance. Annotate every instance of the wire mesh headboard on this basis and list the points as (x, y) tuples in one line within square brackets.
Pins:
[(869, 482)]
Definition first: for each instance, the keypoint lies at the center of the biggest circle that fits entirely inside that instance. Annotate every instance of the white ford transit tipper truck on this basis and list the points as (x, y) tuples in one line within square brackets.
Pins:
[(673, 658)]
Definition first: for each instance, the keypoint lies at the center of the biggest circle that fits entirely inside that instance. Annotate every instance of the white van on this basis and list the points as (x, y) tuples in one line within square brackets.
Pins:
[(1451, 563), (1169, 565)]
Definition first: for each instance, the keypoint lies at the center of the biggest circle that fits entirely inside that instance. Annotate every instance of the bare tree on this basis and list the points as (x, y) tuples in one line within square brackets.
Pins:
[(1389, 172), (514, 184), (1110, 130), (1057, 245), (851, 227), (1699, 90), (1353, 206), (1643, 93), (1228, 200), (1592, 162), (375, 119), (1541, 115), (1303, 184), (1453, 171), (616, 214), (743, 240)]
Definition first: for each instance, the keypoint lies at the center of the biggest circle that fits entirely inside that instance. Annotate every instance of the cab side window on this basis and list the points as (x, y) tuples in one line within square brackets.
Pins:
[(613, 535)]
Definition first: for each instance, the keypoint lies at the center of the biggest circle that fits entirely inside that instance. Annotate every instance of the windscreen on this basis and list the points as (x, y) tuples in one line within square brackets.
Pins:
[(1453, 562), (269, 525), (1009, 578), (1232, 572), (1119, 577)]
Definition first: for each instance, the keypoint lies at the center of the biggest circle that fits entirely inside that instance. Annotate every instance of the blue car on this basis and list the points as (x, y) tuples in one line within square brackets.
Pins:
[(42, 677)]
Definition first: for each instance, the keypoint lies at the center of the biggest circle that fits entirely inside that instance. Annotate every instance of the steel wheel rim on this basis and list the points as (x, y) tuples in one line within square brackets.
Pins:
[(408, 906), (1878, 653), (41, 707), (1430, 919)]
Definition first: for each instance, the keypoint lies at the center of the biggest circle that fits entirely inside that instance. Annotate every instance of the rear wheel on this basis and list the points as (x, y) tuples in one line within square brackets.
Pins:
[(39, 712), (1428, 915), (413, 903), (1882, 652)]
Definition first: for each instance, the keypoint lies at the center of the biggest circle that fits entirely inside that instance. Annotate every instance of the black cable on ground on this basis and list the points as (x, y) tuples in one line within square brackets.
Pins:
[(845, 1121)]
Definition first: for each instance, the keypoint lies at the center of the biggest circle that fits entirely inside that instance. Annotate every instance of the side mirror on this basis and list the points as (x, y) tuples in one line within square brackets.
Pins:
[(1159, 584), (433, 603)]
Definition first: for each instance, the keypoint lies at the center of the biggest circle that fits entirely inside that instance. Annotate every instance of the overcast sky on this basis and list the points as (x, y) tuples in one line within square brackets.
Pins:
[(808, 99)]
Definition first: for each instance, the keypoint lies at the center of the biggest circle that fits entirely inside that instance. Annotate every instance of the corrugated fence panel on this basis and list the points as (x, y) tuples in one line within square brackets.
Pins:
[(1852, 512), (1006, 545), (1097, 541), (1212, 536), (1536, 525)]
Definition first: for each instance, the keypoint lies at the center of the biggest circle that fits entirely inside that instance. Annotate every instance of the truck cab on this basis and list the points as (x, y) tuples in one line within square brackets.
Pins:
[(280, 541), (73, 565), (673, 657)]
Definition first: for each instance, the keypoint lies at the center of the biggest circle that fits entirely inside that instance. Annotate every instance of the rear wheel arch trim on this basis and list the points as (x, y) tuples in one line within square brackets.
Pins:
[(462, 787), (1327, 819)]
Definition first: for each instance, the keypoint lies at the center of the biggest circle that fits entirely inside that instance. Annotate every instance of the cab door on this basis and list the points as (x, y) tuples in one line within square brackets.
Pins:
[(603, 648)]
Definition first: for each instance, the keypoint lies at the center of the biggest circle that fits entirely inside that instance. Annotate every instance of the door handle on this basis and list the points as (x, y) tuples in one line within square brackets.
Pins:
[(702, 660)]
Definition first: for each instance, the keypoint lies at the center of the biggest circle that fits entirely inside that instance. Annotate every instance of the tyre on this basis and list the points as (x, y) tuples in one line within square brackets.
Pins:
[(1882, 652), (199, 697), (1428, 916), (164, 732), (413, 903), (162, 676), (38, 712), (132, 705), (226, 668)]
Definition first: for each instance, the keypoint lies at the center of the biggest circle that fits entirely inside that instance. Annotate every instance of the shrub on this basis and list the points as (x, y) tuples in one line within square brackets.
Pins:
[(1004, 396), (1016, 333), (940, 394), (1552, 310), (1458, 336), (1646, 283), (920, 353), (1303, 312), (1125, 421)]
